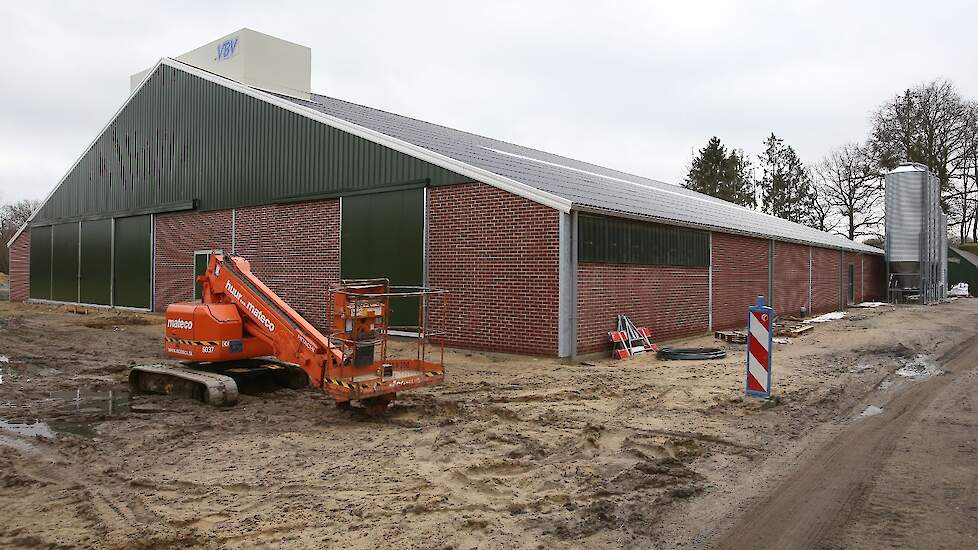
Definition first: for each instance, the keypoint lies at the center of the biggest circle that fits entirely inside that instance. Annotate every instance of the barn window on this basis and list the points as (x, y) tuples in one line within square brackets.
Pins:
[(620, 241)]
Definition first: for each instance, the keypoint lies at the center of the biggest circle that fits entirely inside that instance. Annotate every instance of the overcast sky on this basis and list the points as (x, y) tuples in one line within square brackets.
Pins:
[(635, 86)]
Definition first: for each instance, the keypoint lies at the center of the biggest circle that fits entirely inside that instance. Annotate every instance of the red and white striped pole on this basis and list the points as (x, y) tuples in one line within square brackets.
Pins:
[(759, 322)]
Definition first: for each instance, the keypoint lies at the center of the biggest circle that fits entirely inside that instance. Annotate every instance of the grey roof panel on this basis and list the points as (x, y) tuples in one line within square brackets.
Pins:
[(588, 186)]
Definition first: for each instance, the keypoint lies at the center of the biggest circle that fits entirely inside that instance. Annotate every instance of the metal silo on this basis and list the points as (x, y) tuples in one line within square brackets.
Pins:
[(916, 234)]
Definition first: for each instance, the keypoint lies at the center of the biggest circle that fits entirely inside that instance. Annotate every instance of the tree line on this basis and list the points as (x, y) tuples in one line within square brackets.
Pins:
[(930, 123)]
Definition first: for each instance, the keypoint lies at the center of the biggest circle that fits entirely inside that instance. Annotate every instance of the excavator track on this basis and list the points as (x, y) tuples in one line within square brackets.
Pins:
[(210, 387)]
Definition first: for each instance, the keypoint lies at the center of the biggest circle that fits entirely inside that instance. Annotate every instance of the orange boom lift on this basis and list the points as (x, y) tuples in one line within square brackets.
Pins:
[(240, 324)]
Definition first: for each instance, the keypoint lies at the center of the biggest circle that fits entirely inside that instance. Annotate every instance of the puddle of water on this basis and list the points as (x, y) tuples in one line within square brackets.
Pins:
[(871, 410), (72, 412), (45, 430), (27, 429), (87, 402), (919, 367)]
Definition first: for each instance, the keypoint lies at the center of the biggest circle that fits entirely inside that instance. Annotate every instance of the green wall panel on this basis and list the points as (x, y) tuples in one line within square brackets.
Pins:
[(618, 241), (961, 270), (96, 262), (182, 138), (383, 236), (40, 263), (133, 267), (64, 263)]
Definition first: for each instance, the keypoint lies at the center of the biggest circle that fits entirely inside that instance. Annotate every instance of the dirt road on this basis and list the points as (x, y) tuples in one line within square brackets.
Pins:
[(510, 452), (905, 477)]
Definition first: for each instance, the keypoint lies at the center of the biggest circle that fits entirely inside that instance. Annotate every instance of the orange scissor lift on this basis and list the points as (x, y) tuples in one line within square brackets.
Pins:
[(242, 327)]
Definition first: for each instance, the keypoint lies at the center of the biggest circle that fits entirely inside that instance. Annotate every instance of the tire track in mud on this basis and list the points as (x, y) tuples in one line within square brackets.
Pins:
[(812, 504)]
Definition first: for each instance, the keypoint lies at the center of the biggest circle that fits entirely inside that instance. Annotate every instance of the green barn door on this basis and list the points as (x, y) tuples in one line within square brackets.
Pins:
[(64, 263), (383, 236), (96, 262), (133, 266), (41, 263)]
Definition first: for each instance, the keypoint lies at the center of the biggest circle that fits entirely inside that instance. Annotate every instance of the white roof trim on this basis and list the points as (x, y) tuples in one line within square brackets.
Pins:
[(84, 151), (478, 174), (710, 200)]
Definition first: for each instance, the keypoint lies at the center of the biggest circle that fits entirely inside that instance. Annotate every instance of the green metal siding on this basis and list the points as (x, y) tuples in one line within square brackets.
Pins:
[(64, 263), (182, 138), (41, 263), (959, 270), (96, 262), (383, 236), (132, 280), (618, 241)]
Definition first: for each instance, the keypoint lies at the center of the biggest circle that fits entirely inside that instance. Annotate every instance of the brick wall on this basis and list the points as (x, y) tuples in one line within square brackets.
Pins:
[(20, 267), (790, 278), (670, 301), (826, 279), (177, 236), (739, 276), (496, 254), (874, 275), (295, 250)]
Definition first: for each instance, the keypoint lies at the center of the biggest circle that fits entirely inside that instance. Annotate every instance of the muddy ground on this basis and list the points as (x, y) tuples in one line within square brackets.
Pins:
[(510, 452)]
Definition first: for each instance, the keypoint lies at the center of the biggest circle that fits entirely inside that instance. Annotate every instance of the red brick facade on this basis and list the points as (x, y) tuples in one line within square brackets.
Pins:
[(791, 278), (295, 250), (670, 301), (496, 254), (20, 267), (826, 280), (740, 274), (874, 278), (177, 236)]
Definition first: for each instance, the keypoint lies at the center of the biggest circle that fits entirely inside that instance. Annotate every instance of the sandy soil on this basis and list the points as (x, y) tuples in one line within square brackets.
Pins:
[(509, 452)]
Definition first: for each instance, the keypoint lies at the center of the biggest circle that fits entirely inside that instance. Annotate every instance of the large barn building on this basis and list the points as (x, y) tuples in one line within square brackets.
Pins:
[(225, 148)]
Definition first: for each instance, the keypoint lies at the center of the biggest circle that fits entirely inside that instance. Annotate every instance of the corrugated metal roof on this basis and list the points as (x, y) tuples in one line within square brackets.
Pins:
[(590, 187)]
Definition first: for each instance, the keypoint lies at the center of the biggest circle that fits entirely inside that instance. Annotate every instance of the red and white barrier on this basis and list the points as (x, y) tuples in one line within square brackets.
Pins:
[(759, 319)]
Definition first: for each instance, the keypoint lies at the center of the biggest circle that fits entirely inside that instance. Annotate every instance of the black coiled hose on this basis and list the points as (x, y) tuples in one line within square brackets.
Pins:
[(691, 354)]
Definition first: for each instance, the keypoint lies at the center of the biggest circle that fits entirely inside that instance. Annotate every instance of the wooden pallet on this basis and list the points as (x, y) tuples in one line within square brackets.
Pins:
[(732, 336), (797, 331)]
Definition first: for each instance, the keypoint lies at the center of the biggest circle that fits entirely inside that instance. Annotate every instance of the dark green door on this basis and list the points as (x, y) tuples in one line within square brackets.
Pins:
[(41, 263), (96, 262), (64, 263), (383, 236), (132, 279)]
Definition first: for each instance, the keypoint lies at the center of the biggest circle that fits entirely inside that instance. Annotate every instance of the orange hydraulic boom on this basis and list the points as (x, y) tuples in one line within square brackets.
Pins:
[(240, 318)]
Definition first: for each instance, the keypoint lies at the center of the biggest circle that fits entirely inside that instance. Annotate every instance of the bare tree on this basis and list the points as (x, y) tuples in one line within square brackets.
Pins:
[(851, 187), (930, 124), (824, 216), (12, 217)]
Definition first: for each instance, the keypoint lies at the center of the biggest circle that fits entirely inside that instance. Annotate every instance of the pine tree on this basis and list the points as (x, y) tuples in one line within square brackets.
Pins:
[(785, 183), (718, 174)]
